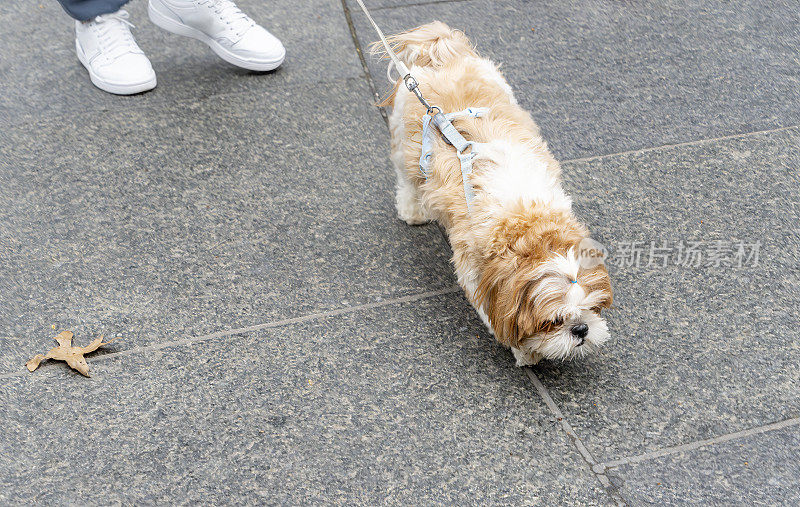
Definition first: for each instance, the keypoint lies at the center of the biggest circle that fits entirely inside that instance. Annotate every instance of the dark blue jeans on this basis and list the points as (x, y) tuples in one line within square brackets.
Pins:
[(84, 10)]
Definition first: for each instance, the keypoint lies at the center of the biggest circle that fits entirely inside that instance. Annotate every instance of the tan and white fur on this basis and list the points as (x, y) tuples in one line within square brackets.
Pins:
[(516, 252)]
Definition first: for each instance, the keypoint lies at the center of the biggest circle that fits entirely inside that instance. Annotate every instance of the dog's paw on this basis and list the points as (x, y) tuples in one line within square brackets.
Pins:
[(525, 358), (410, 210), (413, 220)]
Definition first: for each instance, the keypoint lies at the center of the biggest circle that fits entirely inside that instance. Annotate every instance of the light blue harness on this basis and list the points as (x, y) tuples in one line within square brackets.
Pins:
[(443, 122)]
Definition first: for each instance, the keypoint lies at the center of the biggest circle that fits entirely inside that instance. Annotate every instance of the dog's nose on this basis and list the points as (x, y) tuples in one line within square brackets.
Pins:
[(580, 331)]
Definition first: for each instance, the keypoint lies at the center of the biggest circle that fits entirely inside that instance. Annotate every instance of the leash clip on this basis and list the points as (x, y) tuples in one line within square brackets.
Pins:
[(413, 87)]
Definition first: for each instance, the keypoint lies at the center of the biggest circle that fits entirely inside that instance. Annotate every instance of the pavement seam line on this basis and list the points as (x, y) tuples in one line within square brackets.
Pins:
[(576, 441), (419, 4), (364, 67), (602, 467), (266, 325), (678, 145)]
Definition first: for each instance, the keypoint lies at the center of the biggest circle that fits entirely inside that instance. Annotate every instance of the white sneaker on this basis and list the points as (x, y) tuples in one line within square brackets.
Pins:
[(115, 63), (230, 33)]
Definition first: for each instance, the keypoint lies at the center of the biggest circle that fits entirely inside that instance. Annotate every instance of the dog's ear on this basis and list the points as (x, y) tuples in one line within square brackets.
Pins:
[(505, 294), (597, 284), (492, 295)]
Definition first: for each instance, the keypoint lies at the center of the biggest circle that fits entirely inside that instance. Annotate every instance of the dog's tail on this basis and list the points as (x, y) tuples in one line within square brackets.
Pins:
[(432, 45)]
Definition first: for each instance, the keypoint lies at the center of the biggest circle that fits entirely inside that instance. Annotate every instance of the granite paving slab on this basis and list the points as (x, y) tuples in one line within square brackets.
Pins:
[(701, 349), (173, 220), (42, 75), (761, 470), (395, 405), (605, 77)]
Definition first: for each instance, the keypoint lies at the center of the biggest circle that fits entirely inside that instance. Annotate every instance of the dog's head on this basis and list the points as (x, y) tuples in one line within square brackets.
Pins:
[(536, 293)]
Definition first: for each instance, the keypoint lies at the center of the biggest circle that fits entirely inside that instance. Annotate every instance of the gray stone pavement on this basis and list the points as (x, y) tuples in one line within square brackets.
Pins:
[(288, 340)]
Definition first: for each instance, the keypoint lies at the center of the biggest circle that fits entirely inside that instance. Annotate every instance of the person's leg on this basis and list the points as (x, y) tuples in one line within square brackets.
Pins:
[(84, 10), (230, 33), (105, 46)]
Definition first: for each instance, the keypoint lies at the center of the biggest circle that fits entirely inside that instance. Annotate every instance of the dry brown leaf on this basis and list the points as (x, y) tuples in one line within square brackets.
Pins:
[(66, 352)]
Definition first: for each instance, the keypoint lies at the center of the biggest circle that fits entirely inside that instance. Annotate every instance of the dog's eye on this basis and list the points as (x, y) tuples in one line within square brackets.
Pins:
[(549, 326)]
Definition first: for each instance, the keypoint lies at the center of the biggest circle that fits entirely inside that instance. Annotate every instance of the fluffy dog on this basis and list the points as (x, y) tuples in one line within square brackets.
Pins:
[(516, 249)]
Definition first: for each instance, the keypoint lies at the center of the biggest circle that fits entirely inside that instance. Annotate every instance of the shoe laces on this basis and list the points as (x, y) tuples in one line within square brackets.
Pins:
[(114, 33), (231, 15)]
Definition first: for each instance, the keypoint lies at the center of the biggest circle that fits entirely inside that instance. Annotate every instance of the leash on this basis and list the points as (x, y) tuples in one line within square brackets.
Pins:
[(408, 79), (435, 116)]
